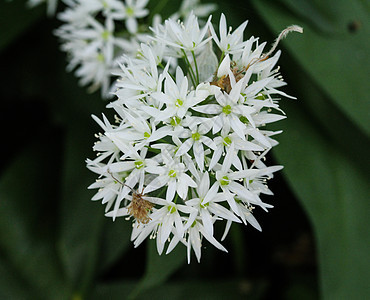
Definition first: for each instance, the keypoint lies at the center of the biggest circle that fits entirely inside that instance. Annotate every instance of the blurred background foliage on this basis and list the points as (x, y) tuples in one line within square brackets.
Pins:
[(56, 244)]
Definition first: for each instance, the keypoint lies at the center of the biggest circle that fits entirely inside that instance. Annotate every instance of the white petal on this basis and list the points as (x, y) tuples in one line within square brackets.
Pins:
[(207, 221), (157, 183), (199, 154), (252, 220), (208, 109), (166, 227), (185, 147), (171, 190), (203, 186)]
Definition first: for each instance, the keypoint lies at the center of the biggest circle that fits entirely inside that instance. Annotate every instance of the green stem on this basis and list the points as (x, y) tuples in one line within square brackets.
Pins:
[(222, 57), (153, 149), (191, 71), (196, 66)]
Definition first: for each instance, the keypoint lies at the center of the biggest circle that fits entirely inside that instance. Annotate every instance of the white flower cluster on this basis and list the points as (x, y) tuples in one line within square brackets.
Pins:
[(188, 146), (96, 33)]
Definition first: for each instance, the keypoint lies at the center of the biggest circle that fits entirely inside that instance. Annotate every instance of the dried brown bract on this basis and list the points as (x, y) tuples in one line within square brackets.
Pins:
[(140, 208)]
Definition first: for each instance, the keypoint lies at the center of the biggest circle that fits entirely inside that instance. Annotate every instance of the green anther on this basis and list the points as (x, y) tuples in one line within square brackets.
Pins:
[(171, 209), (225, 180), (204, 205), (179, 102), (146, 135), (250, 181), (243, 119), (105, 35), (175, 121), (195, 136), (226, 109), (172, 173), (194, 223), (139, 164), (130, 11), (227, 141), (101, 57)]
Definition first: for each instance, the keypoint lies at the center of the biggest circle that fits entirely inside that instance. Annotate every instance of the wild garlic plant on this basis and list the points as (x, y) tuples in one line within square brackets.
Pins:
[(188, 146)]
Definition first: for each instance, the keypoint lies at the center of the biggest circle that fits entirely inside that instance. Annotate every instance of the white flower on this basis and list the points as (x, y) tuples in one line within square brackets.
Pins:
[(229, 42), (189, 6), (173, 174), (163, 222), (229, 110), (198, 147), (227, 180), (223, 143), (176, 97), (196, 138), (207, 204), (187, 36), (133, 10), (194, 240)]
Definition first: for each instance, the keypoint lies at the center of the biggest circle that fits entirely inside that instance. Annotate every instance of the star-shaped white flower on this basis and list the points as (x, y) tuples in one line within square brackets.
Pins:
[(173, 174)]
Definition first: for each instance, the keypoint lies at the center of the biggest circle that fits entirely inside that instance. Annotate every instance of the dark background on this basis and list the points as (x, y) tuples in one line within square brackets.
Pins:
[(56, 244)]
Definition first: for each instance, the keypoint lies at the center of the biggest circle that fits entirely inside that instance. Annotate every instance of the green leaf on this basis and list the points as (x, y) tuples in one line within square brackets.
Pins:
[(334, 191), (27, 223), (334, 56)]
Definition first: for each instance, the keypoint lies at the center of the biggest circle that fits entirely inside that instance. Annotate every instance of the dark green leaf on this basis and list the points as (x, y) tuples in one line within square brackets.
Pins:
[(28, 217), (334, 57), (334, 192)]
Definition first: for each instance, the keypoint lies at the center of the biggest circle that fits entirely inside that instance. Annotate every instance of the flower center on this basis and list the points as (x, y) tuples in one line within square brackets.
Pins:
[(195, 136), (179, 102), (175, 121), (139, 164), (227, 141), (172, 173), (226, 109), (171, 209), (204, 205), (224, 180), (105, 35), (130, 11)]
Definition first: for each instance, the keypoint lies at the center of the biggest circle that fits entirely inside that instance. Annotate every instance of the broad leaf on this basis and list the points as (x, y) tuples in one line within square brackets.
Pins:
[(334, 192), (28, 218), (333, 54)]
